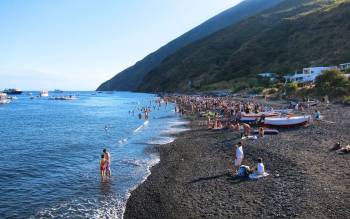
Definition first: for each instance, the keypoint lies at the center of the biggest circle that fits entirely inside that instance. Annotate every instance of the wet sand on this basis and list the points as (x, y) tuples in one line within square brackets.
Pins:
[(306, 179)]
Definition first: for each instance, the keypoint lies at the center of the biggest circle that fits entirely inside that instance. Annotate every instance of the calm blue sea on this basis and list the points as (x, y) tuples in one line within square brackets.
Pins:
[(50, 152)]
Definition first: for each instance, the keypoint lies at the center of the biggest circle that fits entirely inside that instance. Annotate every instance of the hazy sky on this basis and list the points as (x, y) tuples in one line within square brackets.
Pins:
[(78, 44)]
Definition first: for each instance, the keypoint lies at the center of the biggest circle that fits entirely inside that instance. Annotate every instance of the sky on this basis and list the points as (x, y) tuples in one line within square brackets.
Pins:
[(78, 44)]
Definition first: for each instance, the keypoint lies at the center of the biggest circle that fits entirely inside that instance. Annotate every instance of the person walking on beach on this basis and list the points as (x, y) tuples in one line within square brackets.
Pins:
[(107, 157)]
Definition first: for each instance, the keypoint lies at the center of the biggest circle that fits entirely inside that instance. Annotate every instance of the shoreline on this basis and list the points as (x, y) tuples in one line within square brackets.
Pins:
[(306, 179)]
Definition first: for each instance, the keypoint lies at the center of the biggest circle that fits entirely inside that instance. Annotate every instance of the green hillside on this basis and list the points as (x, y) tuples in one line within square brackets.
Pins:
[(288, 37), (132, 77)]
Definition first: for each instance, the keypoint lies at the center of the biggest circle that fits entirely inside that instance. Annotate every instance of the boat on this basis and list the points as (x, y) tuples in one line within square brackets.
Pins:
[(286, 122), (58, 91), (4, 99), (13, 91), (44, 93), (252, 117)]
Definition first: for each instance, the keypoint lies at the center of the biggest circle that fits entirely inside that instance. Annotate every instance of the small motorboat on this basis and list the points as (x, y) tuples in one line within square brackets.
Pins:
[(286, 122), (44, 93), (4, 99)]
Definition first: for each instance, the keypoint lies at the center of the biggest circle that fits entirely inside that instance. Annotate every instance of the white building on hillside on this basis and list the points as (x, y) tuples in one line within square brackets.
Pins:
[(344, 66), (308, 75), (270, 75)]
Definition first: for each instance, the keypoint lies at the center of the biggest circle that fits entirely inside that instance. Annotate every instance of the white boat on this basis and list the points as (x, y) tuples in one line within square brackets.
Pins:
[(286, 122), (4, 99), (250, 117), (44, 93)]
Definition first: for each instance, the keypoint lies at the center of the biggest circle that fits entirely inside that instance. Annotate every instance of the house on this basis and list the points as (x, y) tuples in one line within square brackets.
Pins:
[(308, 75), (344, 67), (271, 76)]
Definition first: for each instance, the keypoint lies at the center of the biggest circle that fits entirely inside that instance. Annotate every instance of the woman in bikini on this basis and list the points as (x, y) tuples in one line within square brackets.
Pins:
[(103, 166)]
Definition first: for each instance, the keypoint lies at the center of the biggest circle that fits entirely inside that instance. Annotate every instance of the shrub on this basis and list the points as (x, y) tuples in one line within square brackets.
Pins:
[(346, 100), (332, 83), (291, 88)]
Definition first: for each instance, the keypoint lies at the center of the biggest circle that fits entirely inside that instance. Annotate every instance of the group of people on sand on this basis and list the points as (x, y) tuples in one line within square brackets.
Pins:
[(105, 164), (243, 170)]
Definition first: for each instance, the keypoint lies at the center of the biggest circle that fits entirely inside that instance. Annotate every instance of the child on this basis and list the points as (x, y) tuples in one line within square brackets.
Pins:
[(259, 172), (260, 168)]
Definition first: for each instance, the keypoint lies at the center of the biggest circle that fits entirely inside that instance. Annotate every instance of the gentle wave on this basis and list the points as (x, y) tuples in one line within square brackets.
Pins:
[(142, 126)]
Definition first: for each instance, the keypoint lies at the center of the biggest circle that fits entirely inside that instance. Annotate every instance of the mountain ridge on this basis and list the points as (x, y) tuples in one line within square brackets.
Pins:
[(287, 37), (130, 78)]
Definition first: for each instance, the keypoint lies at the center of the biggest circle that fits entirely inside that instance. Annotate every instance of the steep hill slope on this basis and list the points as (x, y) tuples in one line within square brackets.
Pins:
[(292, 35), (130, 78)]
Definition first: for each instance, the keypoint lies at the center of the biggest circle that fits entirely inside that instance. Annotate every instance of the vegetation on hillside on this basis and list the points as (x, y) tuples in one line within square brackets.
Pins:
[(286, 38), (130, 78)]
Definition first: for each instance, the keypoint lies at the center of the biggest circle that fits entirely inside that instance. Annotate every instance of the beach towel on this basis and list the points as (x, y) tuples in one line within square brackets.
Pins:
[(256, 176), (250, 137)]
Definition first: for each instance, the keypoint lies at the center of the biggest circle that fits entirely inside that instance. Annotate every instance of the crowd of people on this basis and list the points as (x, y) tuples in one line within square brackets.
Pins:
[(226, 112)]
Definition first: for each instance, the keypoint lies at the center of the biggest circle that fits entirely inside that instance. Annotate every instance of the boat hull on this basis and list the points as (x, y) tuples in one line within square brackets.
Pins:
[(288, 122)]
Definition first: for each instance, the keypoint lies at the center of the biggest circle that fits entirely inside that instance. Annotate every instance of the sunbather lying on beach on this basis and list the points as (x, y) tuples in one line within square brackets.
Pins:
[(244, 171)]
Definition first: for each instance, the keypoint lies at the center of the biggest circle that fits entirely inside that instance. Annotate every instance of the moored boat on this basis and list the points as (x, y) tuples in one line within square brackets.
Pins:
[(286, 122), (44, 93), (4, 99), (13, 91)]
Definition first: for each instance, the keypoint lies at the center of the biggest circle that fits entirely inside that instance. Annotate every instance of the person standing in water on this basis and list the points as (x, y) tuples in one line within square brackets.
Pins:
[(107, 157), (103, 166)]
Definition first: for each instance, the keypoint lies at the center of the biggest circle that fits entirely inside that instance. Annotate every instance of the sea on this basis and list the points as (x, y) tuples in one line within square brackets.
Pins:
[(50, 152)]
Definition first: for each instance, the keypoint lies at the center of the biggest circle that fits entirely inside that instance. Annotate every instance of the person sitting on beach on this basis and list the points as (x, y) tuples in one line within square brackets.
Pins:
[(107, 157), (103, 166), (246, 129), (317, 115), (234, 126), (260, 167), (243, 171), (259, 171)]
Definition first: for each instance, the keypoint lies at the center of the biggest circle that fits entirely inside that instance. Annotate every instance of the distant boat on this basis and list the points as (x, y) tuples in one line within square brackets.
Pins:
[(13, 91), (4, 99), (44, 93), (58, 91)]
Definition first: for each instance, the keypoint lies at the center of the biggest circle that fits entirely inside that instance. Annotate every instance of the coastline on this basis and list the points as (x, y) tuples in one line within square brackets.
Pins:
[(306, 179)]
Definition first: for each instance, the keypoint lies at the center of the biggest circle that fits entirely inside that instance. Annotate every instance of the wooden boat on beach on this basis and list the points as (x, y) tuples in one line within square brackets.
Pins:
[(286, 122)]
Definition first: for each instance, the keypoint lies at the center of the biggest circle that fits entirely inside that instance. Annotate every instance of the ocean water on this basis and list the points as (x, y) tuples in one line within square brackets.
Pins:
[(50, 152)]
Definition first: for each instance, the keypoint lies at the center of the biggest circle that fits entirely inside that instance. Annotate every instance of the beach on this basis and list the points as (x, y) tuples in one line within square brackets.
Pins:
[(306, 179)]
